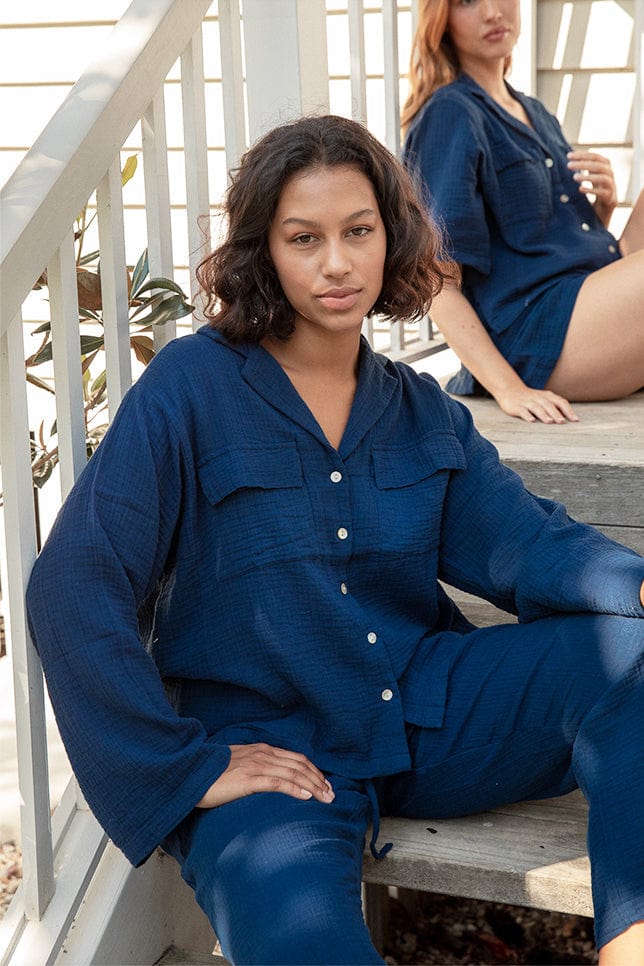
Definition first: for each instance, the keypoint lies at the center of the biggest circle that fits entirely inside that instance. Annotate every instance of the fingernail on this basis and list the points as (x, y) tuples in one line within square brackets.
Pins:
[(305, 794), (329, 795)]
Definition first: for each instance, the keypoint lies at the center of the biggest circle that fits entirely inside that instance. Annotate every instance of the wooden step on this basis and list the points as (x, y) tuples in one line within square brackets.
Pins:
[(185, 957), (530, 854), (594, 467)]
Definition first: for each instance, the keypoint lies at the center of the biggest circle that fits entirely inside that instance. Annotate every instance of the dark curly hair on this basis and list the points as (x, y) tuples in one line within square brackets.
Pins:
[(244, 298)]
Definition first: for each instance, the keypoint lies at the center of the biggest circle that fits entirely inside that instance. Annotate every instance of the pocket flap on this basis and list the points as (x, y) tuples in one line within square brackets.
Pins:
[(260, 467), (398, 466)]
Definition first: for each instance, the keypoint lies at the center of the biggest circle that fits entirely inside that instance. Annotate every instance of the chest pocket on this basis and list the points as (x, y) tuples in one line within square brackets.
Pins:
[(524, 187), (260, 508), (410, 488)]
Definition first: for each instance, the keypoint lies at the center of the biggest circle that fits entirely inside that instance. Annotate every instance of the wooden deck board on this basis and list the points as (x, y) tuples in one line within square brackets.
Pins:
[(594, 467), (530, 854)]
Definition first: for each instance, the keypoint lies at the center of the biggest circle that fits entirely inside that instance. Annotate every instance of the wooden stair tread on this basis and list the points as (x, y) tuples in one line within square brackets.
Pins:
[(594, 467), (530, 854)]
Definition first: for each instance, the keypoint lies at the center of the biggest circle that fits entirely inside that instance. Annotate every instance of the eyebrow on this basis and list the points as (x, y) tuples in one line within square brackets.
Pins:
[(316, 224)]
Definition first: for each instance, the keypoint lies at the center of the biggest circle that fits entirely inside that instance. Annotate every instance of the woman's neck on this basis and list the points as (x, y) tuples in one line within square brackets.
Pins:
[(324, 372), (492, 80), (318, 357)]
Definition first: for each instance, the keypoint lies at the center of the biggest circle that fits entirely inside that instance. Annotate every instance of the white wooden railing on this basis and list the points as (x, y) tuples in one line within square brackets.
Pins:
[(78, 157)]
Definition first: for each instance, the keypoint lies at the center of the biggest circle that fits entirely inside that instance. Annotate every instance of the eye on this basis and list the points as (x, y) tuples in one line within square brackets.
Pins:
[(304, 239), (359, 231)]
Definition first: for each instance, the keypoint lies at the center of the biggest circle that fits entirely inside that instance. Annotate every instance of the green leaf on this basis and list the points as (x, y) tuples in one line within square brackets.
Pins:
[(166, 284), (90, 343), (146, 305), (45, 327), (99, 382), (44, 355), (42, 474), (173, 307), (86, 259), (140, 273), (88, 314)]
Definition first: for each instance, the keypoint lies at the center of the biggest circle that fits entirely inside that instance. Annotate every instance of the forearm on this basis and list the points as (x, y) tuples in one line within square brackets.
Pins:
[(467, 336)]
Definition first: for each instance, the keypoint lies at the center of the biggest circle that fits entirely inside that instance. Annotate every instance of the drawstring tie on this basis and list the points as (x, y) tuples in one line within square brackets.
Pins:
[(375, 822)]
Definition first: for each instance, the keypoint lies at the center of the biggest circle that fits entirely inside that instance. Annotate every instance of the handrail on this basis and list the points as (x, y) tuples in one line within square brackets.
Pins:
[(75, 149)]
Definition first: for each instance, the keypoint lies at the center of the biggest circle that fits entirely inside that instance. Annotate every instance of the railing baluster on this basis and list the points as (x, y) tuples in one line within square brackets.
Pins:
[(196, 162), (355, 12), (114, 286), (20, 536), (397, 335), (68, 380), (232, 80), (392, 74), (157, 202)]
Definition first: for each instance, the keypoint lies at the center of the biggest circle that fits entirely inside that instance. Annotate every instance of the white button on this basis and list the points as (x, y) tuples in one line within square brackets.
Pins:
[(336, 476), (564, 199), (343, 588), (343, 533), (371, 637), (612, 249), (549, 162), (387, 694), (584, 226)]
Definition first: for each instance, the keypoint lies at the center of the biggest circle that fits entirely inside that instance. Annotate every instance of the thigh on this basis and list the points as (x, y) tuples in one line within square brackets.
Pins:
[(517, 697), (603, 351), (280, 879)]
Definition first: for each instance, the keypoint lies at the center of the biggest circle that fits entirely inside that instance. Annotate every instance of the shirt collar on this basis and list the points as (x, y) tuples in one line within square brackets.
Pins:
[(467, 82), (264, 374)]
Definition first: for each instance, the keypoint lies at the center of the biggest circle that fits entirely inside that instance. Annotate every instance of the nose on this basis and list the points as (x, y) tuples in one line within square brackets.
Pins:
[(491, 9), (336, 259)]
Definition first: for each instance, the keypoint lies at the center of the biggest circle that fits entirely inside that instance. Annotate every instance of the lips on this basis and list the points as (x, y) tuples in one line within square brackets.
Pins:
[(340, 298), (499, 33)]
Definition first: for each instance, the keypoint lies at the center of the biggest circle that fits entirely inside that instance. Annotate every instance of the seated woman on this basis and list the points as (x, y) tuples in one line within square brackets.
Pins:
[(549, 306), (263, 530)]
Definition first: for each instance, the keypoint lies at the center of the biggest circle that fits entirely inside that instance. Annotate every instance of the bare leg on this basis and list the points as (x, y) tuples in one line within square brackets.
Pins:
[(603, 353), (632, 239), (627, 949)]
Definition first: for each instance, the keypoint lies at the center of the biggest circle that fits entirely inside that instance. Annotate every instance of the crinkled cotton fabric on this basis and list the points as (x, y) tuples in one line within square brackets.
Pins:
[(513, 215), (220, 573)]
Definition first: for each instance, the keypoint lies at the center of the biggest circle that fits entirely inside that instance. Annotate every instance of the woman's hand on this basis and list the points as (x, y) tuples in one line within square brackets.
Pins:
[(534, 405), (263, 768), (595, 176)]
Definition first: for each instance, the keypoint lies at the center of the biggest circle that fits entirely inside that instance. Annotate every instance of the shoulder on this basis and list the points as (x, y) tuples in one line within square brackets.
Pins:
[(186, 378), (434, 408), (451, 104), (452, 118), (189, 361)]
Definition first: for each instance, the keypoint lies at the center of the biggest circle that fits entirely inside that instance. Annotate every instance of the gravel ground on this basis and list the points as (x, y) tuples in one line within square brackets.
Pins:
[(10, 873), (427, 928)]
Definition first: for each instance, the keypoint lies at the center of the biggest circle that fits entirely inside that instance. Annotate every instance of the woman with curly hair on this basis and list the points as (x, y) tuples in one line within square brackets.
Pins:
[(549, 305), (239, 612)]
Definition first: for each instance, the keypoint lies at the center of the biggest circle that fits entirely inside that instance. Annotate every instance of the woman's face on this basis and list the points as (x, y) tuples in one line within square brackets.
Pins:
[(483, 31), (328, 244)]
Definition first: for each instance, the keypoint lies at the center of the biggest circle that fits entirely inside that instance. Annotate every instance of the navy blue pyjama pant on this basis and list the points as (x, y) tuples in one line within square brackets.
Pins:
[(532, 711)]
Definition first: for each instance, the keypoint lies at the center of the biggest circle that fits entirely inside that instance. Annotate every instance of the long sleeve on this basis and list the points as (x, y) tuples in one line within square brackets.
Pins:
[(141, 767), (447, 152), (525, 553)]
